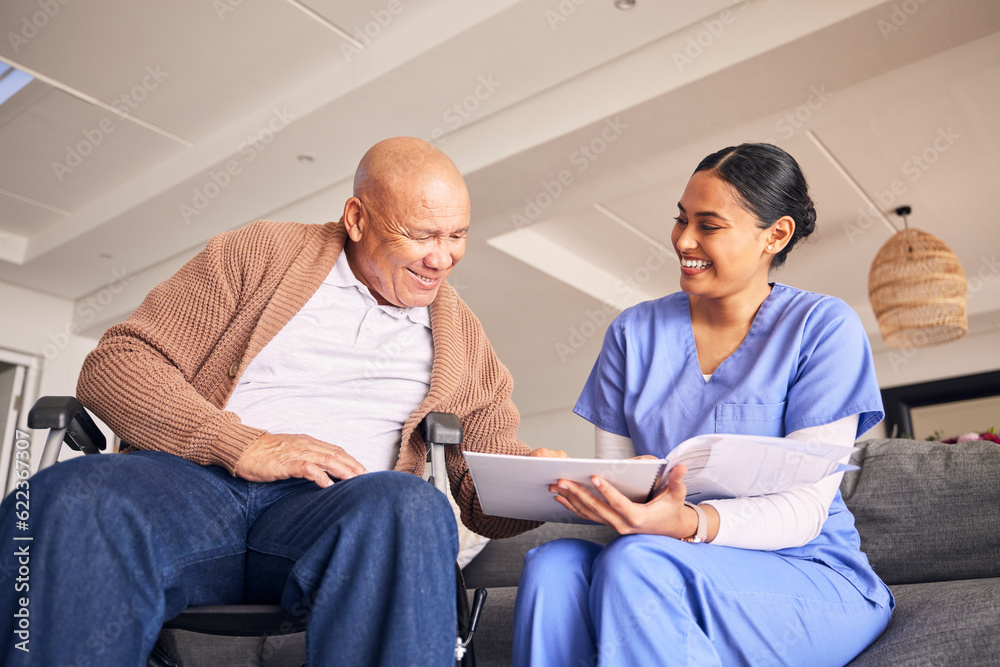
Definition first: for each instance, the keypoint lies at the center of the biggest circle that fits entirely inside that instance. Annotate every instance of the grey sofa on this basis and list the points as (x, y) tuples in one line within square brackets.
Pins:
[(929, 518)]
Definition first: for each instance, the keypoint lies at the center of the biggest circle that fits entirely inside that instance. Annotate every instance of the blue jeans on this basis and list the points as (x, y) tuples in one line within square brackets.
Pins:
[(121, 543)]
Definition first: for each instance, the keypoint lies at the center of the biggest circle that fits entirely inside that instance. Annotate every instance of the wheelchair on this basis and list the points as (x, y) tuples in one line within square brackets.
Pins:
[(260, 628)]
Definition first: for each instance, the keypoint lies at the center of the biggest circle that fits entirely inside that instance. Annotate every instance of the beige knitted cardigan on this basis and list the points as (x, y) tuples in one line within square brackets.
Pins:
[(161, 379)]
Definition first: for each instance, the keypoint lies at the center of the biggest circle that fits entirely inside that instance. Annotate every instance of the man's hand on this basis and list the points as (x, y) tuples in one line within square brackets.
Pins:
[(549, 453), (275, 456)]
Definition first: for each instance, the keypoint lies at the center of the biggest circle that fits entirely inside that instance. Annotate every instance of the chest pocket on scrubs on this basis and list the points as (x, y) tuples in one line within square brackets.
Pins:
[(750, 418)]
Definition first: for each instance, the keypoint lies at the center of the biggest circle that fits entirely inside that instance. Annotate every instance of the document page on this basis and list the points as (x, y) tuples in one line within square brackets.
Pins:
[(737, 466)]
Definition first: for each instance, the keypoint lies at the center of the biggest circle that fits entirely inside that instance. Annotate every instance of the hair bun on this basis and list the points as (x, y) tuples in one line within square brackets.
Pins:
[(808, 222)]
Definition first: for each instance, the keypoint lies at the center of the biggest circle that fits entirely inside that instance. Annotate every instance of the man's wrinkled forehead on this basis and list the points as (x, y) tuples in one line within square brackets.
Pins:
[(418, 204)]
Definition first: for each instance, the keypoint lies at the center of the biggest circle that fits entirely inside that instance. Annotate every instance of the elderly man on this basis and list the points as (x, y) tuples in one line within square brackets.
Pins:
[(269, 394)]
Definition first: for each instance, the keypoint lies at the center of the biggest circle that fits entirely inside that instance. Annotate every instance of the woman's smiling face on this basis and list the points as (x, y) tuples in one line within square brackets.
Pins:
[(720, 245)]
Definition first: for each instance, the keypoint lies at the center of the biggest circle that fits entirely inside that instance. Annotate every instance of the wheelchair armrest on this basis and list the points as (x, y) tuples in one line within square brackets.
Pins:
[(440, 428), (66, 412)]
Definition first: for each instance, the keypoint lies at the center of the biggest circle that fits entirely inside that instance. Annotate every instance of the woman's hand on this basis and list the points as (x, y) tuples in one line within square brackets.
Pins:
[(665, 514)]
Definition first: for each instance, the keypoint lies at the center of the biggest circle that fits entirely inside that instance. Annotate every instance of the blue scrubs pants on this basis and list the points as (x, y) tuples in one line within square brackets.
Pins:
[(652, 600), (122, 542)]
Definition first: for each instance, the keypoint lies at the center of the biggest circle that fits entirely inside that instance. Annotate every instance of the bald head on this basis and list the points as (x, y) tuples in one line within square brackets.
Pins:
[(406, 222), (394, 170)]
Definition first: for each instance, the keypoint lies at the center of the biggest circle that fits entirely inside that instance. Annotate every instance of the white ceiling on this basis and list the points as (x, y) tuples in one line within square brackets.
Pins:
[(222, 98)]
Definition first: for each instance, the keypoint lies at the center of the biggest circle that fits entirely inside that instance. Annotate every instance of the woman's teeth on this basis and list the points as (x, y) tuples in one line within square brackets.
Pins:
[(695, 263)]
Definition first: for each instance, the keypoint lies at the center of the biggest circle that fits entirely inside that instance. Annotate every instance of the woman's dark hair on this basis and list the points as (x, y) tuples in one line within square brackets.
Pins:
[(767, 183)]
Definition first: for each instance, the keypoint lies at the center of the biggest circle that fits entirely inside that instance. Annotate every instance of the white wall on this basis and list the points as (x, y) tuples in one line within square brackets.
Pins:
[(42, 326), (953, 419), (975, 353), (558, 429)]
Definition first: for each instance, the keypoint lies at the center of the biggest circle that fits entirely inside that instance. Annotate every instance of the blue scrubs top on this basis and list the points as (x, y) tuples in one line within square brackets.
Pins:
[(805, 362)]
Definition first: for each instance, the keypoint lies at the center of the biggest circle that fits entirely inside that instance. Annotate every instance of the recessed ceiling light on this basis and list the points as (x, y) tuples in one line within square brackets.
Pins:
[(625, 4), (11, 81)]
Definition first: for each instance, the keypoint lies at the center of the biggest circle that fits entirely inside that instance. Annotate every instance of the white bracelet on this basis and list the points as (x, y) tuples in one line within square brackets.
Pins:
[(702, 530)]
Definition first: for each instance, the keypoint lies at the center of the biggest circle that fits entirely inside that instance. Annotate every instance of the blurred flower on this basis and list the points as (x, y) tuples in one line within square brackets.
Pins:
[(988, 435)]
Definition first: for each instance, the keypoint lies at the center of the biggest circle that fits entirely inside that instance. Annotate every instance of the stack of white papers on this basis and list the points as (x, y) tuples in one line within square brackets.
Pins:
[(719, 466)]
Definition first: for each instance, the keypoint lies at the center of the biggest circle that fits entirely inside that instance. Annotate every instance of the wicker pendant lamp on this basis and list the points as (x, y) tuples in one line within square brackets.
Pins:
[(917, 289)]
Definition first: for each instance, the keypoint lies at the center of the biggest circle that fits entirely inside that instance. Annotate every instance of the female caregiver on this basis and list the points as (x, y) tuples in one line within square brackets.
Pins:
[(769, 580)]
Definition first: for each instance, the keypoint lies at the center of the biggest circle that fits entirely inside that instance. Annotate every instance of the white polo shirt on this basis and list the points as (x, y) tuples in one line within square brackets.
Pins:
[(344, 370)]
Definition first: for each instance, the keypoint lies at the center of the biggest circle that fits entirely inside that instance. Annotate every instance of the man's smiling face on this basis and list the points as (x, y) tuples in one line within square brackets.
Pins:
[(403, 256), (407, 221)]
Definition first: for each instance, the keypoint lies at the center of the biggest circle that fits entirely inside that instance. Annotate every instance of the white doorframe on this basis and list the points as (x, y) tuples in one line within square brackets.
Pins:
[(23, 384)]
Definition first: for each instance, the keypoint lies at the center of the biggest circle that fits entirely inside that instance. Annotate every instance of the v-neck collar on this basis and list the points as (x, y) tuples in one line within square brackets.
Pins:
[(692, 347)]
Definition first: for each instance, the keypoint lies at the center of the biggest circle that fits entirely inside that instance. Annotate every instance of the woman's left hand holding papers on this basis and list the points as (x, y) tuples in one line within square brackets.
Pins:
[(665, 514)]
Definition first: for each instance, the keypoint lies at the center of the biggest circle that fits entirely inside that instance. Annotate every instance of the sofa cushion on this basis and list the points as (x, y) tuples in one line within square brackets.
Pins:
[(940, 623), (499, 563), (926, 511)]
